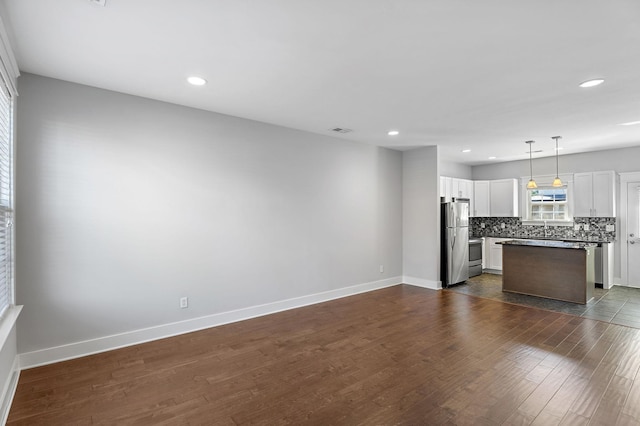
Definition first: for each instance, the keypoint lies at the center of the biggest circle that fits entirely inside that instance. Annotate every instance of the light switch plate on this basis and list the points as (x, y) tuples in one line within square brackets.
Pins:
[(502, 225), (610, 228), (576, 227), (482, 225), (585, 227)]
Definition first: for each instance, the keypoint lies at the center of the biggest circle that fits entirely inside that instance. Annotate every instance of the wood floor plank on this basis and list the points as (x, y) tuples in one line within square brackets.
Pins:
[(400, 355)]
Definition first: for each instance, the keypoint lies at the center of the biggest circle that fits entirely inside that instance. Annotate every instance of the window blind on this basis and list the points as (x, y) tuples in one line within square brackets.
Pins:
[(6, 197)]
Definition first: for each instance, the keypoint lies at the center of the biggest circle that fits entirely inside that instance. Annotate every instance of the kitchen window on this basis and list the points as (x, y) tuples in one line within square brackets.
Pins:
[(6, 197), (548, 204)]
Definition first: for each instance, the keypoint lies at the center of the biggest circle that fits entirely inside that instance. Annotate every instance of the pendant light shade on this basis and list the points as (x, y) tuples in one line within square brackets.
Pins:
[(532, 183), (556, 182)]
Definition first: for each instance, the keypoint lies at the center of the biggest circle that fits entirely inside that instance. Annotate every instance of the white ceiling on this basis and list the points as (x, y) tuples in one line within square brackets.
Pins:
[(484, 75)]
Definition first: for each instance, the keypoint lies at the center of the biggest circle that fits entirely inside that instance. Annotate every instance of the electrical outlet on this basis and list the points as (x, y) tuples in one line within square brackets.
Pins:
[(585, 227), (610, 228), (482, 225), (503, 225), (381, 269), (184, 302), (576, 227)]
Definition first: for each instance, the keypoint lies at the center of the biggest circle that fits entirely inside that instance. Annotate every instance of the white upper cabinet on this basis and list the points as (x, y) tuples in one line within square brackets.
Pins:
[(462, 188), (455, 188), (446, 187), (481, 199), (465, 188), (594, 194), (503, 196)]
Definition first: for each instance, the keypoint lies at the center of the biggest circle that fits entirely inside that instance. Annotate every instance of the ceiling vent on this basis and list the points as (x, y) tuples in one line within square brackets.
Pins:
[(341, 130)]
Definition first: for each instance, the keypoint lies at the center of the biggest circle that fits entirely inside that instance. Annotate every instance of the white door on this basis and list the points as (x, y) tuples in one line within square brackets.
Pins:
[(633, 233)]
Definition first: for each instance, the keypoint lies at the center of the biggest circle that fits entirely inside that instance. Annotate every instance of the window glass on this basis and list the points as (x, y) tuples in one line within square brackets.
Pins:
[(548, 204)]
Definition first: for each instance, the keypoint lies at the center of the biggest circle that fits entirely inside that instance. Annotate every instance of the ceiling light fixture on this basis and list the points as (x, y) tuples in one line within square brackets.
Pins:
[(466, 150), (196, 81), (393, 133), (492, 158), (532, 183), (557, 183), (631, 123), (592, 83)]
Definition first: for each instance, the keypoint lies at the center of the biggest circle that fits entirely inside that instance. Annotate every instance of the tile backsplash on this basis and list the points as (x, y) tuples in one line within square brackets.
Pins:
[(513, 228)]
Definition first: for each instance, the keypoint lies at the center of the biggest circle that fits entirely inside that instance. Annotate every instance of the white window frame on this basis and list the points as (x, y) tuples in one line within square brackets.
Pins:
[(8, 79), (7, 291), (544, 182)]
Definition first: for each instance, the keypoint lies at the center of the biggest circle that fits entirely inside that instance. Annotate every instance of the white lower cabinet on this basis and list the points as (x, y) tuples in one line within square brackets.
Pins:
[(494, 254)]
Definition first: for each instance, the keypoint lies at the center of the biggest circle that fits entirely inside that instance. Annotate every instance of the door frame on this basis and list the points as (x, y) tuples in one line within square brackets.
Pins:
[(625, 178)]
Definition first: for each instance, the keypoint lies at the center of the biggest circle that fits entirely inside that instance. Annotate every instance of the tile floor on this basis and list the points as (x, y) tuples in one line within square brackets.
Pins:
[(619, 305)]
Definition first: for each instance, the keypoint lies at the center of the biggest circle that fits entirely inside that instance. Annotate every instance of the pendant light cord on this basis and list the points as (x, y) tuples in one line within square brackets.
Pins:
[(530, 159), (532, 183), (557, 182), (556, 138)]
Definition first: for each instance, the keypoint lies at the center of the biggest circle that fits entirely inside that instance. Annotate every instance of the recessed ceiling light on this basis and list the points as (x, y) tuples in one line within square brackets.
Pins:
[(393, 133), (631, 123), (196, 81), (591, 83), (492, 158), (466, 150)]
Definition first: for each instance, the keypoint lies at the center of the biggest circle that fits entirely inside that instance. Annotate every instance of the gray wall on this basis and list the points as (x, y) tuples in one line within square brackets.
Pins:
[(421, 215), (455, 170), (620, 160), (125, 204)]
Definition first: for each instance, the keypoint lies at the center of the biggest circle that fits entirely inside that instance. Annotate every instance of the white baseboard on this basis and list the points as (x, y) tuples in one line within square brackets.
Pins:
[(107, 343), (420, 282), (9, 390)]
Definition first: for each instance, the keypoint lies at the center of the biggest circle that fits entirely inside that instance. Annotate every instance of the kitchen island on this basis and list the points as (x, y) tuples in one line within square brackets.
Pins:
[(552, 269)]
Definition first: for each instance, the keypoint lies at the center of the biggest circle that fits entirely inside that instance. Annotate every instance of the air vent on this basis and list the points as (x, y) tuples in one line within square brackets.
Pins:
[(341, 130)]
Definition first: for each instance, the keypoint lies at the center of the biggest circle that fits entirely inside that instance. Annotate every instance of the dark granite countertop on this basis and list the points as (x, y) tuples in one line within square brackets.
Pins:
[(550, 243), (566, 240)]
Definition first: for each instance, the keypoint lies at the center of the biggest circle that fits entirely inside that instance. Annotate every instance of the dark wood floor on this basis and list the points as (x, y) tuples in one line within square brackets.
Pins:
[(401, 355)]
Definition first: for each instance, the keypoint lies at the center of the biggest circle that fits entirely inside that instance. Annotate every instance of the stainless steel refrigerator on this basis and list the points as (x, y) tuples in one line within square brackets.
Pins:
[(455, 242)]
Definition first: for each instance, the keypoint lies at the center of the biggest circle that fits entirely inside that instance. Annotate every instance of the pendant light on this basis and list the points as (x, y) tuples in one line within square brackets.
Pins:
[(532, 183), (557, 183)]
